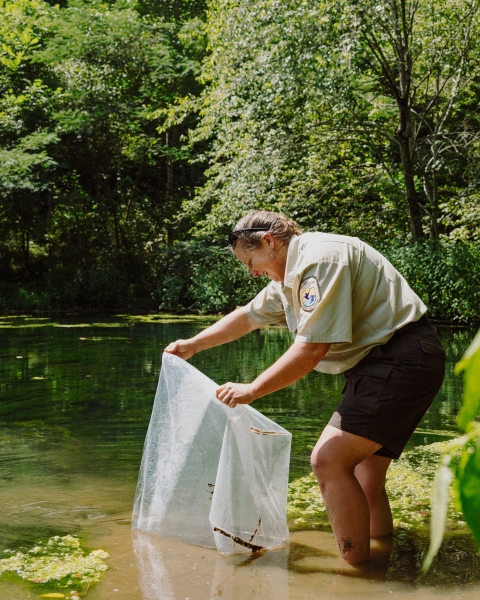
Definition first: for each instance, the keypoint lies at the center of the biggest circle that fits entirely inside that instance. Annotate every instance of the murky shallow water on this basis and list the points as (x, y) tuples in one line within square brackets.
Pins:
[(75, 401)]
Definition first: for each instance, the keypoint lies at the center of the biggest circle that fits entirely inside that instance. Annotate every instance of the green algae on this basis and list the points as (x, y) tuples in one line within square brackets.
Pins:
[(442, 432), (69, 425), (409, 487), (115, 321), (59, 563)]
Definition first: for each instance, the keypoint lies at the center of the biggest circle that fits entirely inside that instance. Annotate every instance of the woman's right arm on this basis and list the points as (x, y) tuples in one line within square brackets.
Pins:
[(229, 328)]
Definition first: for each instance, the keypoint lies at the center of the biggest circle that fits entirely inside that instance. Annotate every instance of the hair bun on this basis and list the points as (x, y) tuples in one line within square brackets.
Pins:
[(279, 226)]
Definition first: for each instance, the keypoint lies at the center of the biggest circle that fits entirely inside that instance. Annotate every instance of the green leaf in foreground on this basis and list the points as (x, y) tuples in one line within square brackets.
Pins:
[(470, 364), (439, 509), (467, 483), (467, 472)]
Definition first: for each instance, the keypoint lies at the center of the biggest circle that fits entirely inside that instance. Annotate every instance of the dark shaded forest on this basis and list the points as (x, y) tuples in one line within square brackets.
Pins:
[(134, 134)]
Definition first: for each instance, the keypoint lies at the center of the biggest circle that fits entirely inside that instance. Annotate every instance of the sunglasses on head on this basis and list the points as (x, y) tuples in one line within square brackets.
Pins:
[(233, 236)]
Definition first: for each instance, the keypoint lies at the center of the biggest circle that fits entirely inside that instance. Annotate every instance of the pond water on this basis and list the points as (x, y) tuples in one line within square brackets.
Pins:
[(75, 402)]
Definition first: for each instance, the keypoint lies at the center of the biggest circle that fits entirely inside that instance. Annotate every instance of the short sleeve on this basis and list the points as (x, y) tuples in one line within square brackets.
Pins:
[(325, 299), (267, 307)]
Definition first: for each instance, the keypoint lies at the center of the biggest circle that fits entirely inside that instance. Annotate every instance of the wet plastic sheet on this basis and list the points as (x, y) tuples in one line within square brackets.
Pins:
[(211, 475)]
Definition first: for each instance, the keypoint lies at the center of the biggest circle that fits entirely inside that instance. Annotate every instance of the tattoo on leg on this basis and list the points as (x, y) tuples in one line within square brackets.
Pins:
[(347, 545)]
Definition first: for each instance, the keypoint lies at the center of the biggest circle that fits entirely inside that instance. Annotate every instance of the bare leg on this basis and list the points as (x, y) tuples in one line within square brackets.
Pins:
[(334, 459), (371, 474)]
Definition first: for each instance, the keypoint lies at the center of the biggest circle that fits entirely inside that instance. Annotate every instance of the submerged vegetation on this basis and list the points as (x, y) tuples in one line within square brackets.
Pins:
[(72, 405), (409, 487), (58, 564)]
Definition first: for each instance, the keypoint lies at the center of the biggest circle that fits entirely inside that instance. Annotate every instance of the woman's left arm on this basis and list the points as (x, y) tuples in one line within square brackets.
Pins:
[(297, 361)]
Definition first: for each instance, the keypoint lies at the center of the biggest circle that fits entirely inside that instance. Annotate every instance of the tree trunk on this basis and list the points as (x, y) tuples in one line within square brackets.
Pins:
[(115, 225), (406, 144), (171, 139), (26, 249), (434, 228)]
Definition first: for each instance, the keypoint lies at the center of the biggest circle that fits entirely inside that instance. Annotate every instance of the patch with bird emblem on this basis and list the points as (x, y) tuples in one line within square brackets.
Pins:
[(309, 294)]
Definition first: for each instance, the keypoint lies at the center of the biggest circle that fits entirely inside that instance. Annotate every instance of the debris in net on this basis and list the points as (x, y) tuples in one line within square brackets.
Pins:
[(237, 540)]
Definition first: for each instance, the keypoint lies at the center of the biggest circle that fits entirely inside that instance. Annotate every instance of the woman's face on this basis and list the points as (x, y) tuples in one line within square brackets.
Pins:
[(259, 262)]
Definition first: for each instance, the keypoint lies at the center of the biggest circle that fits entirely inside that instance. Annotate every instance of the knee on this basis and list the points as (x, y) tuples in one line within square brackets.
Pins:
[(323, 466)]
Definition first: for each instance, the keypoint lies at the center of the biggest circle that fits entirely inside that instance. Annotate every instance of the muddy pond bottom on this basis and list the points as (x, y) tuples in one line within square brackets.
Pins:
[(308, 568), (96, 508), (146, 567)]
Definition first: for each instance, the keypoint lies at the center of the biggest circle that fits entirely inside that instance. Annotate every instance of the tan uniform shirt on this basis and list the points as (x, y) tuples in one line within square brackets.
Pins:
[(339, 290)]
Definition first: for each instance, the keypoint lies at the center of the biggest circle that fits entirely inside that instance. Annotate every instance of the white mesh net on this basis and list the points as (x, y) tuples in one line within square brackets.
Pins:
[(210, 474)]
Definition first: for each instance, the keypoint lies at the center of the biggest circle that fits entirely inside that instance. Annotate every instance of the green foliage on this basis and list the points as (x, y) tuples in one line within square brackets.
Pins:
[(204, 278), (201, 276), (193, 277), (467, 476), (466, 470), (20, 166), (445, 274), (111, 111), (92, 168), (470, 364), (220, 282), (440, 501), (467, 479), (22, 26), (310, 108)]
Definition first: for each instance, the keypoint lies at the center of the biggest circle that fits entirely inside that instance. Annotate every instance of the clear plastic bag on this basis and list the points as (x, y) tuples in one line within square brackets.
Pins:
[(210, 474)]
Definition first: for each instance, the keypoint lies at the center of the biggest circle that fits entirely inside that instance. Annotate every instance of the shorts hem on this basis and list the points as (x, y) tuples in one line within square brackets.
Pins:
[(383, 451)]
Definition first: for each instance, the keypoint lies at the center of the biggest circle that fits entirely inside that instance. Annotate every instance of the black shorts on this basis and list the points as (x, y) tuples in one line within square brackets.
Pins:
[(389, 391)]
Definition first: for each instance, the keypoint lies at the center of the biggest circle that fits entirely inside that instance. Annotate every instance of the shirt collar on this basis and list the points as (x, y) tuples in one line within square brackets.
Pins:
[(292, 259)]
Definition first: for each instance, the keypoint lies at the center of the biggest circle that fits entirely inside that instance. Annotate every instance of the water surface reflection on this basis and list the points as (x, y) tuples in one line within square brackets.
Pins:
[(75, 401)]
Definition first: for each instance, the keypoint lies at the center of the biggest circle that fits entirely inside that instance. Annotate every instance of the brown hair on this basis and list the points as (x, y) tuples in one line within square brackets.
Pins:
[(277, 225)]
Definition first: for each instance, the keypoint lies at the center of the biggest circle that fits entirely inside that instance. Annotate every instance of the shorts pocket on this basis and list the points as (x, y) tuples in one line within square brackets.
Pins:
[(370, 386), (376, 370), (433, 349)]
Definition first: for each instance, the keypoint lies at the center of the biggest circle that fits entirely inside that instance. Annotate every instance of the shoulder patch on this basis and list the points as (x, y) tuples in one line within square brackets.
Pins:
[(309, 294)]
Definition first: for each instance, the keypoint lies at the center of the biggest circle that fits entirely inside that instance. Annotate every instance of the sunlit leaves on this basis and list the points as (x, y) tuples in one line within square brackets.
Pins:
[(467, 482), (470, 365), (22, 22), (19, 166), (468, 472), (439, 508), (304, 102), (440, 496)]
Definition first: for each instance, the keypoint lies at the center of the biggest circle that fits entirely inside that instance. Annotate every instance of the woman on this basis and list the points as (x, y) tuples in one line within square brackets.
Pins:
[(349, 311)]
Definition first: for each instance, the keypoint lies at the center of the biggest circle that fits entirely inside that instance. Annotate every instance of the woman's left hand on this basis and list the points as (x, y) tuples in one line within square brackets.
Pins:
[(232, 394)]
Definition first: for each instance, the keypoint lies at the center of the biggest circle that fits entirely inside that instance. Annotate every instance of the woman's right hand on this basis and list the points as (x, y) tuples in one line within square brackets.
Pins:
[(183, 348)]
